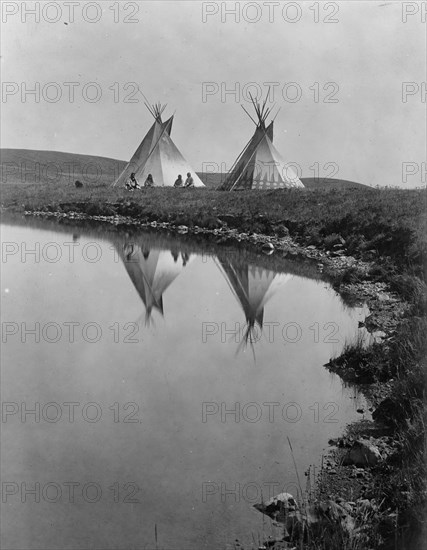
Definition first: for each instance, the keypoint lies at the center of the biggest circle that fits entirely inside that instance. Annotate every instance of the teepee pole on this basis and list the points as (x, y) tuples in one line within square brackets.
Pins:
[(244, 168), (278, 111), (236, 162), (249, 115)]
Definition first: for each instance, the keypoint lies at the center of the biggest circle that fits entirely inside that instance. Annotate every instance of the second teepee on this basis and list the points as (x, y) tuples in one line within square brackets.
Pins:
[(260, 165)]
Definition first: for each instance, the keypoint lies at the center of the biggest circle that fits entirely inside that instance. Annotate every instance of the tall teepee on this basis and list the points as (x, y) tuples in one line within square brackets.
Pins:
[(152, 271), (260, 165), (158, 155)]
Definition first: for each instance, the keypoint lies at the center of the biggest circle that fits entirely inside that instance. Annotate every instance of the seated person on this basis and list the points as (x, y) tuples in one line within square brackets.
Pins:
[(189, 182), (149, 182), (132, 184), (178, 182)]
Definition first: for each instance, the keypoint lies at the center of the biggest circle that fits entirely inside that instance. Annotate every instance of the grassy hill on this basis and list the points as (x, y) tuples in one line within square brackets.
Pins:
[(31, 166)]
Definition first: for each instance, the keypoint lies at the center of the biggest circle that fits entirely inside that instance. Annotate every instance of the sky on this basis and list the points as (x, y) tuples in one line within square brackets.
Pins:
[(349, 80)]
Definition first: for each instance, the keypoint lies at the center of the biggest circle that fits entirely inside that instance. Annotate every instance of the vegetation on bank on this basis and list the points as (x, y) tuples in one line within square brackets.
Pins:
[(386, 227), (389, 223)]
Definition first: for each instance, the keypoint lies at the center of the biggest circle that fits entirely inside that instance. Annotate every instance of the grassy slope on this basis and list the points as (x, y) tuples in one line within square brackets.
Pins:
[(28, 166)]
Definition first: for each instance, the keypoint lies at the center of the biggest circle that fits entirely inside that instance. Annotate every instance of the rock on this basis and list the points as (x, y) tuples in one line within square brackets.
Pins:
[(379, 335), (318, 517), (278, 507), (362, 453), (282, 231), (267, 248)]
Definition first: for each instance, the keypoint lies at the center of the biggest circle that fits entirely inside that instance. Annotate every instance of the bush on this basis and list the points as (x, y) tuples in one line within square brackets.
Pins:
[(331, 240)]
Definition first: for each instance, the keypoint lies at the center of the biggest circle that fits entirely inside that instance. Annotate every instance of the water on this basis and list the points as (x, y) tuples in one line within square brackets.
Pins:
[(135, 339)]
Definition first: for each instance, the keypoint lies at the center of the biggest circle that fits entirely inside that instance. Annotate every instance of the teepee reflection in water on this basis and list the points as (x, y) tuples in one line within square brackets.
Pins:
[(253, 287), (152, 271)]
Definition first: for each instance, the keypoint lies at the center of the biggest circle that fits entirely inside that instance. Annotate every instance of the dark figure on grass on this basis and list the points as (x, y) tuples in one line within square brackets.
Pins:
[(178, 182), (78, 184), (149, 182)]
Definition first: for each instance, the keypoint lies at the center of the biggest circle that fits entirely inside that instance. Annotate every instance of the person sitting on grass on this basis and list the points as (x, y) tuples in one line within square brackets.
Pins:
[(132, 184), (149, 182), (189, 182), (178, 182)]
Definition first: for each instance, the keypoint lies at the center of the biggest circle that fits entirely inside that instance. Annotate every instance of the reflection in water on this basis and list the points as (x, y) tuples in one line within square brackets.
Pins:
[(152, 271), (252, 286), (193, 471)]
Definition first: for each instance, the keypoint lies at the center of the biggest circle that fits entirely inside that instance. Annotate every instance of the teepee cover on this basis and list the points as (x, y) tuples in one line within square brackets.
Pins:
[(260, 165), (158, 155)]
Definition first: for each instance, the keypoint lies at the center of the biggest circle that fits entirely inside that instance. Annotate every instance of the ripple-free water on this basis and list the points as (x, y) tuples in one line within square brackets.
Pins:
[(164, 385)]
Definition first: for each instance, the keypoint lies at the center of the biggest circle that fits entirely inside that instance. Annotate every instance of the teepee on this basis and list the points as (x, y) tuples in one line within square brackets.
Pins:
[(152, 271), (158, 155), (260, 165), (252, 286)]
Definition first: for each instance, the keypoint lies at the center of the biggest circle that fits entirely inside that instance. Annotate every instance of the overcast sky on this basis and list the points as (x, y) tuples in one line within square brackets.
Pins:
[(354, 118)]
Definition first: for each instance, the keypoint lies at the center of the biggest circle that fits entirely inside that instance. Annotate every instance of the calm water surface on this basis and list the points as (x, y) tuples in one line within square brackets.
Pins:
[(152, 348)]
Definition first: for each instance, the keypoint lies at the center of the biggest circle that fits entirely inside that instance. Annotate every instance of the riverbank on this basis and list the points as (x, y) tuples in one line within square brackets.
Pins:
[(371, 245)]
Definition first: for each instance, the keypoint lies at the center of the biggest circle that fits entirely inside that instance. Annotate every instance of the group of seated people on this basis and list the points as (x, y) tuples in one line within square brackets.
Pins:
[(132, 183)]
